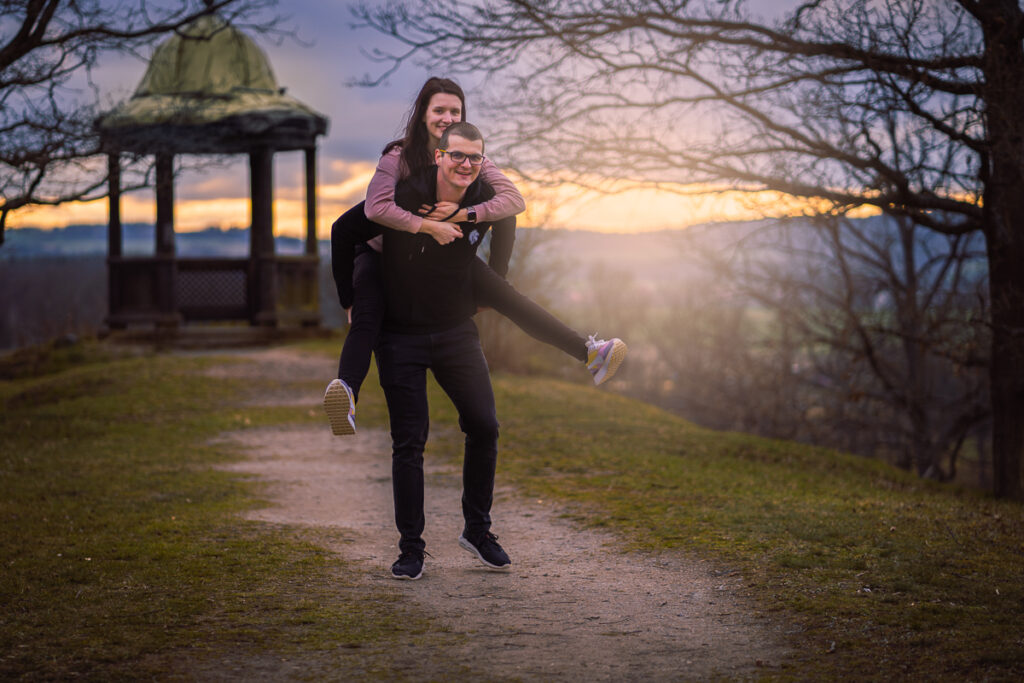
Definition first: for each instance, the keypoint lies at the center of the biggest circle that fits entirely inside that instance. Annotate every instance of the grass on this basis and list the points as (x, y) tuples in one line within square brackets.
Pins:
[(124, 552), (124, 548)]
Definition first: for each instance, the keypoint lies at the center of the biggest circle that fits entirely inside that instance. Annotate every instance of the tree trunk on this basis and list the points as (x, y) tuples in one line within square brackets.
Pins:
[(1003, 67), (1006, 278), (1007, 373), (910, 329)]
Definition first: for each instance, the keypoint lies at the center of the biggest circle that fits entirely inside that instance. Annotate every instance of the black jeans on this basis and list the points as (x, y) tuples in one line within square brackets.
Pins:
[(458, 364), (367, 317)]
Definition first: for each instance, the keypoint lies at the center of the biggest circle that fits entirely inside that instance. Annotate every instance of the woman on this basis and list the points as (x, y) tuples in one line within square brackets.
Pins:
[(439, 103)]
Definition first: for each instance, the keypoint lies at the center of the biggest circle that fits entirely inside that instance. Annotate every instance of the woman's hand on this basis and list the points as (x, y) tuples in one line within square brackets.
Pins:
[(443, 211), (443, 233)]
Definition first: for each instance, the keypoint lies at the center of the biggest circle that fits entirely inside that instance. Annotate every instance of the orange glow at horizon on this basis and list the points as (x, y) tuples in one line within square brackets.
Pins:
[(191, 215)]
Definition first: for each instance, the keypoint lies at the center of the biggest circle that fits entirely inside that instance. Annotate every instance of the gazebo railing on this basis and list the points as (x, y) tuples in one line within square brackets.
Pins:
[(213, 289), (168, 291)]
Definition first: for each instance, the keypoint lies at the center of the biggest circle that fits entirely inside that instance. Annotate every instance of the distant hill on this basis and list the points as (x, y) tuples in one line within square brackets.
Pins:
[(651, 257), (91, 240)]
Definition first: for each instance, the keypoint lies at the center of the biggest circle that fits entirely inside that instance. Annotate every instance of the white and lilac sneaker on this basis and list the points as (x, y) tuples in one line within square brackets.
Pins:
[(604, 357), (340, 408)]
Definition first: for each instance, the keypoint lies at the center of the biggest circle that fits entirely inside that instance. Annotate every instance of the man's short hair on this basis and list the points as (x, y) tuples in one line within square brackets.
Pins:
[(463, 130)]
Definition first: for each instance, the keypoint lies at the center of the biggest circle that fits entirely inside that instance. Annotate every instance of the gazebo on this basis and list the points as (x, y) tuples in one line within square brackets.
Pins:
[(210, 90)]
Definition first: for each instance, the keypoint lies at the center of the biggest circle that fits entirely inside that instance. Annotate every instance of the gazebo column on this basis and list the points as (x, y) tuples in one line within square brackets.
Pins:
[(311, 243), (166, 299), (309, 276), (115, 239), (262, 262)]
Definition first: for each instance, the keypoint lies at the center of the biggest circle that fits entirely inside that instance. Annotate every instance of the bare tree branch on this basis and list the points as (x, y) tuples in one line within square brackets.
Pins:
[(48, 48)]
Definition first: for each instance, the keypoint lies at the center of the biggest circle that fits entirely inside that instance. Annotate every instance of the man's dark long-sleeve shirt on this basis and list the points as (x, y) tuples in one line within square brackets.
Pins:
[(428, 287)]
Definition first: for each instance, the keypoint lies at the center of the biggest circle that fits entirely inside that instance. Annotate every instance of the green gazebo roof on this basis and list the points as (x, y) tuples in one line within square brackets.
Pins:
[(209, 89)]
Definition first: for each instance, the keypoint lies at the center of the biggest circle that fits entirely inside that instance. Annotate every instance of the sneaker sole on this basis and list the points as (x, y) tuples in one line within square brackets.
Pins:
[(615, 358), (466, 545), (338, 409), (405, 577)]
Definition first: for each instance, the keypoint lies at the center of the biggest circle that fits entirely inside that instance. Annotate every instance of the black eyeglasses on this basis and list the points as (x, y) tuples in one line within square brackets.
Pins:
[(459, 157)]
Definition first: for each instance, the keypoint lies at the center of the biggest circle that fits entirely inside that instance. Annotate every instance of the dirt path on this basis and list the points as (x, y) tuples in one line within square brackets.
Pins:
[(575, 606)]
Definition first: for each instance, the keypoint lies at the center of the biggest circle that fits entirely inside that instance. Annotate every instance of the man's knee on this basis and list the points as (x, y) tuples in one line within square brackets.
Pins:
[(409, 440), (482, 427)]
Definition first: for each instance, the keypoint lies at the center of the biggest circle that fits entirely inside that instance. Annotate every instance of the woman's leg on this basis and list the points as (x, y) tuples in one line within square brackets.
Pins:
[(367, 318), (493, 290)]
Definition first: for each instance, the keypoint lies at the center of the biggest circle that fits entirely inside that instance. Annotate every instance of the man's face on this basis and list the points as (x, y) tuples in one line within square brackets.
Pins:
[(458, 175)]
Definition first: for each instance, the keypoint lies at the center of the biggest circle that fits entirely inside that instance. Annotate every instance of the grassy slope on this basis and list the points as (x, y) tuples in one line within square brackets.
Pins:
[(122, 547), (124, 554)]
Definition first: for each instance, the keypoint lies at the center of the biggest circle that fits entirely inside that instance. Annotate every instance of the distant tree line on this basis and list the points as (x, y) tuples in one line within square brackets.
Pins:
[(48, 297)]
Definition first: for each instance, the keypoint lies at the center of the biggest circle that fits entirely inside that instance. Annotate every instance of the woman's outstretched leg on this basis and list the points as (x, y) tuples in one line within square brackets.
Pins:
[(602, 357)]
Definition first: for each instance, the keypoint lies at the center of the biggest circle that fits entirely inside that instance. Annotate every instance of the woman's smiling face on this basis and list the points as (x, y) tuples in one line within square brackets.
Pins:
[(442, 111)]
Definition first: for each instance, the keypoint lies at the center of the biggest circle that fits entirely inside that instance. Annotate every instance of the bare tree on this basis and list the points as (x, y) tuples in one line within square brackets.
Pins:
[(887, 326), (718, 364), (49, 50), (911, 106)]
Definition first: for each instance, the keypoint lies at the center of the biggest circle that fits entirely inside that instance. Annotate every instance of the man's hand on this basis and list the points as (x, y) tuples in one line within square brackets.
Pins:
[(443, 233), (444, 211), (348, 312)]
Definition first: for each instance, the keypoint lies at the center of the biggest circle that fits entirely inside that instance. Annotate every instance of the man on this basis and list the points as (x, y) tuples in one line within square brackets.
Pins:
[(429, 304)]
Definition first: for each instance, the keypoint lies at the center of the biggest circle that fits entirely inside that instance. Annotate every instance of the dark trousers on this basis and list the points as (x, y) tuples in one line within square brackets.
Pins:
[(458, 364), (367, 317), (489, 288)]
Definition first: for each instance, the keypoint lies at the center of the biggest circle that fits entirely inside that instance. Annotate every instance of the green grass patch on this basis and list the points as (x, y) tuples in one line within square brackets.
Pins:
[(57, 355), (909, 579), (123, 550)]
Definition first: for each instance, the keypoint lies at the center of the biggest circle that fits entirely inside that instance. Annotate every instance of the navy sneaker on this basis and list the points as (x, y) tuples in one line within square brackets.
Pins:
[(487, 551), (408, 566)]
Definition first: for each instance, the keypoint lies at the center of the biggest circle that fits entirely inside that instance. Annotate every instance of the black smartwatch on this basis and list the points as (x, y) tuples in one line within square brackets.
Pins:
[(471, 214)]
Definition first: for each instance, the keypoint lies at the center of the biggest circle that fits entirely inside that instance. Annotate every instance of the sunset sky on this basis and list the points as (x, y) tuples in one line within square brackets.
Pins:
[(362, 120)]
